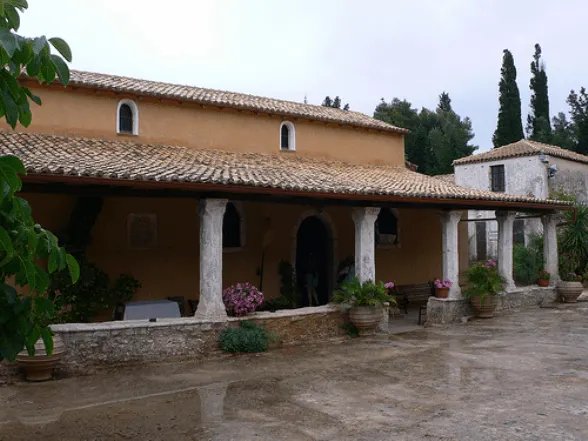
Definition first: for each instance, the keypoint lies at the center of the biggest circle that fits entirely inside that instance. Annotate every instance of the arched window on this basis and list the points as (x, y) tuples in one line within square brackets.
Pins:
[(287, 136), (233, 227), (387, 231), (127, 118)]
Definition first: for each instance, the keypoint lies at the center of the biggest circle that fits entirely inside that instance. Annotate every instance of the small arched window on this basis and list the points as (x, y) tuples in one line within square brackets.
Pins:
[(287, 136), (387, 231), (233, 227), (127, 118)]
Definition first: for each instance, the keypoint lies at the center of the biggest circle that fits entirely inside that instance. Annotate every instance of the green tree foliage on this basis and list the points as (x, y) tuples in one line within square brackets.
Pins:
[(450, 138), (579, 113), (563, 134), (510, 125), (335, 103), (444, 102), (538, 122), (24, 318), (528, 260), (436, 138)]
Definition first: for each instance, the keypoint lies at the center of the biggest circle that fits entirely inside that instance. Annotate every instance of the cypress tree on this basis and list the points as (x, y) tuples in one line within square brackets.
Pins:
[(538, 122), (444, 102), (510, 125)]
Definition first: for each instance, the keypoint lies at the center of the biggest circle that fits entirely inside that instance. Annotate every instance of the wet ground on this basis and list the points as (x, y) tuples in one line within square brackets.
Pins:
[(517, 377)]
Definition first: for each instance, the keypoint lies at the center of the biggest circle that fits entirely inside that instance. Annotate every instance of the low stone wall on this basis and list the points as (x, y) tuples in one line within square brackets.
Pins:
[(93, 345), (440, 311)]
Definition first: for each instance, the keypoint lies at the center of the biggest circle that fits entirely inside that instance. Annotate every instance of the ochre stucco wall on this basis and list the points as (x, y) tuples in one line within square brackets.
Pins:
[(187, 124), (172, 268)]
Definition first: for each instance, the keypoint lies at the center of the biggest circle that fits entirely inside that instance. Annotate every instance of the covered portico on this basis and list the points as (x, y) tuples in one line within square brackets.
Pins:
[(279, 189)]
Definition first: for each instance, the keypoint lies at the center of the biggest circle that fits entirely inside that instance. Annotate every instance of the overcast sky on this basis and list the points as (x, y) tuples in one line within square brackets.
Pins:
[(361, 50)]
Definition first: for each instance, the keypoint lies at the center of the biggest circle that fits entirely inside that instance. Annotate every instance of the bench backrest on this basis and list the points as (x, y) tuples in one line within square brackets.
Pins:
[(417, 292)]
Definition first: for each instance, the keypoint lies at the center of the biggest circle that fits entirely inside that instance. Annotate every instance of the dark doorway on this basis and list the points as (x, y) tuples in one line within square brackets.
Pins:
[(481, 241), (313, 262)]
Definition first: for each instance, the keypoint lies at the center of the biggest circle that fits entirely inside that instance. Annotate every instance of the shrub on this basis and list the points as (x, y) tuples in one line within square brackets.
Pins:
[(483, 280), (242, 298), (355, 293), (249, 337), (573, 239), (93, 292), (527, 262)]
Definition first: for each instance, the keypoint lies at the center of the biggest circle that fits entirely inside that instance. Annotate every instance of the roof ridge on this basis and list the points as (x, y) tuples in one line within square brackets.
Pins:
[(225, 98), (212, 89)]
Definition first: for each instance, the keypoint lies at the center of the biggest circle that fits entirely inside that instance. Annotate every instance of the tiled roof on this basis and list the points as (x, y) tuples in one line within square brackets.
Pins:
[(524, 147), (228, 99), (125, 160), (447, 178)]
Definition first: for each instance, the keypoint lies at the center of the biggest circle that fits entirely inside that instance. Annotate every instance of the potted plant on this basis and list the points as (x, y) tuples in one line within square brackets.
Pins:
[(242, 298), (442, 288), (364, 301), (570, 286), (40, 363), (483, 285), (543, 278)]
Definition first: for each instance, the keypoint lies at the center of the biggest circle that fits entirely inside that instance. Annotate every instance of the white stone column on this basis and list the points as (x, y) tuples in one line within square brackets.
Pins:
[(550, 253), (450, 251), (505, 223), (365, 245), (210, 305)]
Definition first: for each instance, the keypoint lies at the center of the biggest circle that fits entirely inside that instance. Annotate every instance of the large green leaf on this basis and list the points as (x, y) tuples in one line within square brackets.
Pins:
[(74, 267), (47, 337), (62, 47), (12, 16), (32, 96), (61, 69), (53, 263), (10, 108), (39, 44), (8, 175), (8, 41), (14, 163), (5, 242), (21, 4)]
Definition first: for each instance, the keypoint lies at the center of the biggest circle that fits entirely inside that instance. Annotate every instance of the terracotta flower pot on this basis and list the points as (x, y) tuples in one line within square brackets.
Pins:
[(484, 307), (40, 366), (543, 282), (365, 318), (441, 293), (569, 292)]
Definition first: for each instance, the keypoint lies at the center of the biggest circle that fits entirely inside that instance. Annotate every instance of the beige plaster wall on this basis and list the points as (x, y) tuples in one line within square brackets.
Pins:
[(187, 124), (172, 268)]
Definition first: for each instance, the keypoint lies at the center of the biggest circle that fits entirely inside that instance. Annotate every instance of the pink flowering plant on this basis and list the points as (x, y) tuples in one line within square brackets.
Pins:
[(483, 280), (242, 298), (443, 284)]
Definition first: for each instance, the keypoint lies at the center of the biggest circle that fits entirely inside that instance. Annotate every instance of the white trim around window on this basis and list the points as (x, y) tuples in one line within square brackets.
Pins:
[(135, 110), (291, 146)]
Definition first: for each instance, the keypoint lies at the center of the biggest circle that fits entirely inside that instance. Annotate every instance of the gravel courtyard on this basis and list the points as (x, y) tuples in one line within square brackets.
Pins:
[(522, 376)]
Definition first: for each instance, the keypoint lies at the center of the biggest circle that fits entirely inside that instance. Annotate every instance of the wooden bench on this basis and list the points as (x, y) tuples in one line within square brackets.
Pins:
[(417, 294)]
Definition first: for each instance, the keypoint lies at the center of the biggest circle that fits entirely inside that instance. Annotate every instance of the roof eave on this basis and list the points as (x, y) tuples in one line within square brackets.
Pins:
[(457, 202)]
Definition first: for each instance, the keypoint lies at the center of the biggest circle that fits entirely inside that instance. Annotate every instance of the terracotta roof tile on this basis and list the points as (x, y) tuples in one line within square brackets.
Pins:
[(228, 99), (524, 147), (125, 160)]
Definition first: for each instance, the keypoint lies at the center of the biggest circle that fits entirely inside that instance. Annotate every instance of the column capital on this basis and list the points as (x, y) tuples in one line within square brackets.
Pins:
[(213, 206), (360, 213), (452, 216), (505, 214), (548, 218)]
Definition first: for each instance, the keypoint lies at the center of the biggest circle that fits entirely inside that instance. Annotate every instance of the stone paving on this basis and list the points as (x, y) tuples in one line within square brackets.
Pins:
[(521, 376)]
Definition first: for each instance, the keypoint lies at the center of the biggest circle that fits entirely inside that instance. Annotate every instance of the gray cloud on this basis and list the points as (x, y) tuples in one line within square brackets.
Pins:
[(360, 50)]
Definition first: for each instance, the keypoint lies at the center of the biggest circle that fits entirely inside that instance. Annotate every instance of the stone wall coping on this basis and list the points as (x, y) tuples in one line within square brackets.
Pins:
[(187, 321)]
